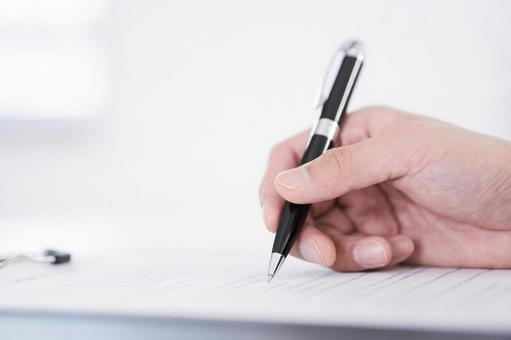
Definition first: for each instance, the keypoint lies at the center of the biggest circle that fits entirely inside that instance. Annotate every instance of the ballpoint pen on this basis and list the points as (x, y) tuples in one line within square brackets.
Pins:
[(334, 95)]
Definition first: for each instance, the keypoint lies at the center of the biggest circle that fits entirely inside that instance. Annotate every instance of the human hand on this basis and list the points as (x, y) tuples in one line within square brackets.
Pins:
[(401, 187)]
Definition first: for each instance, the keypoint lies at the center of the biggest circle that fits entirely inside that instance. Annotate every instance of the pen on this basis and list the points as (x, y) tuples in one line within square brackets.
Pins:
[(334, 95)]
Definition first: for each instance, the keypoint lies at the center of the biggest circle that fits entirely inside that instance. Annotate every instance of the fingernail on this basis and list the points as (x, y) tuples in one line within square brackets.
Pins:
[(310, 252), (294, 178), (370, 254)]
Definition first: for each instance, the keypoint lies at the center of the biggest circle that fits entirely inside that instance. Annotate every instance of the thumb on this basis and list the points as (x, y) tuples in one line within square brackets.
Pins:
[(343, 169)]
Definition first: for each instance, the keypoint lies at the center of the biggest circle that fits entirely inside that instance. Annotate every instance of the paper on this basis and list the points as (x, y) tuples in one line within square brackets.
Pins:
[(232, 286)]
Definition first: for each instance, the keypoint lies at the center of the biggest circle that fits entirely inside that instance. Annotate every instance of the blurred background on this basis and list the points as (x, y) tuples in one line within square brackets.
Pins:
[(147, 124)]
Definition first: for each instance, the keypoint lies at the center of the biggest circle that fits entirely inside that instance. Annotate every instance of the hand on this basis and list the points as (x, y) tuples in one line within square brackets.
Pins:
[(400, 188)]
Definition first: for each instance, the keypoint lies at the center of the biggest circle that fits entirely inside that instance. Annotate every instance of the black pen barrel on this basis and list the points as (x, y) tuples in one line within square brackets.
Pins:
[(293, 215)]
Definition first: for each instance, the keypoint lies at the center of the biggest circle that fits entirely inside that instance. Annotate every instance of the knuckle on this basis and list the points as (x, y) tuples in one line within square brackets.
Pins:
[(341, 158)]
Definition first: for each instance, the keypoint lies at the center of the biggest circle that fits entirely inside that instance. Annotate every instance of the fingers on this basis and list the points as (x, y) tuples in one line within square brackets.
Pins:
[(370, 156), (359, 252), (314, 245), (354, 252), (343, 169), (284, 156), (402, 249), (335, 220), (325, 241), (370, 211)]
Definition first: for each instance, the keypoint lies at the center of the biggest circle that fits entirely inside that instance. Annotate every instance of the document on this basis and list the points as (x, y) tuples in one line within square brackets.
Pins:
[(232, 286)]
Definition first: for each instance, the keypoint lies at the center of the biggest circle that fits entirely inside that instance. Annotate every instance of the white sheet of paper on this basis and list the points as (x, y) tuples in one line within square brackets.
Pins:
[(232, 286)]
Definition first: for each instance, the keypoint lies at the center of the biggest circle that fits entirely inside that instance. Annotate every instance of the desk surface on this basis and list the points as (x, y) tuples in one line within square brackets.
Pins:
[(55, 326)]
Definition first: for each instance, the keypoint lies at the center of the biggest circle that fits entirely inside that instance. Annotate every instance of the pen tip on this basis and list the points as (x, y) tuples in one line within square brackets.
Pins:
[(276, 261)]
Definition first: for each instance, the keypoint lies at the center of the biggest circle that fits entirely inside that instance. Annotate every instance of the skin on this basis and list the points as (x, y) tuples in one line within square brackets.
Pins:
[(401, 188)]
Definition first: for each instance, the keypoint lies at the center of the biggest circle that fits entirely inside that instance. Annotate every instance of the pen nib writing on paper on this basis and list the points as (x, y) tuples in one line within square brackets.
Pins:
[(276, 262)]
